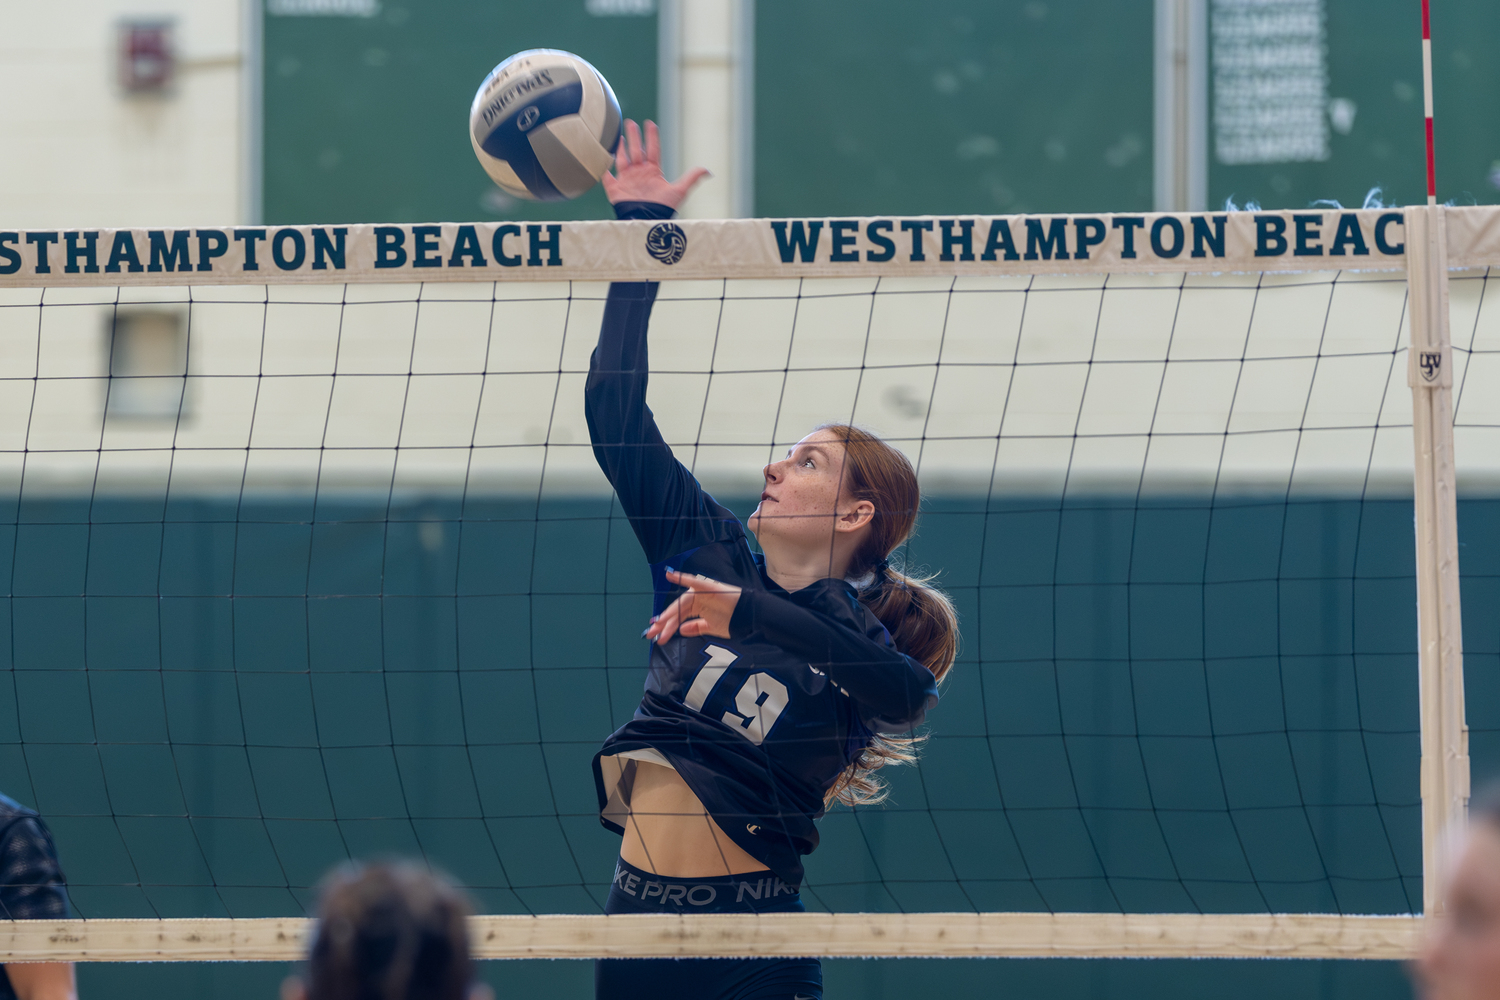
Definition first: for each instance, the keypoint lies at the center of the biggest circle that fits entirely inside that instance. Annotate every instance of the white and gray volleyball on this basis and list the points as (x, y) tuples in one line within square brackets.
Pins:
[(544, 125)]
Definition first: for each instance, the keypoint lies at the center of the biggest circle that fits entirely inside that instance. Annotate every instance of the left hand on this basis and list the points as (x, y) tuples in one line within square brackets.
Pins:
[(704, 610)]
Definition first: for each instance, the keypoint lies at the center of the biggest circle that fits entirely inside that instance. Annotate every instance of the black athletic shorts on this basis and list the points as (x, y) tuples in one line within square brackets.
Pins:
[(636, 891)]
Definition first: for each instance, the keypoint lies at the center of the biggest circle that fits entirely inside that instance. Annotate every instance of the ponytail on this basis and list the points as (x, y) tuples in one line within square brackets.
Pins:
[(919, 616)]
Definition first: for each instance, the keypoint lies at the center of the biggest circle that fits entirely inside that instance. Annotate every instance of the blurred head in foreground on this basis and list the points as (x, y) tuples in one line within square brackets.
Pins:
[(1461, 957), (388, 932)]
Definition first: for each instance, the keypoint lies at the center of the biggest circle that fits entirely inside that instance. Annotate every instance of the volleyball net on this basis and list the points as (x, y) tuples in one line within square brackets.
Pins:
[(309, 559)]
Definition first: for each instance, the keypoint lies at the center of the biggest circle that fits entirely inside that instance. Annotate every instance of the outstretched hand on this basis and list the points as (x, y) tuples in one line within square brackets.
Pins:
[(638, 175), (704, 610)]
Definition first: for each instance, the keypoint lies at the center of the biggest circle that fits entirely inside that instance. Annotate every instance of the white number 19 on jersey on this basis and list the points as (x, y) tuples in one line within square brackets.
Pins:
[(757, 705)]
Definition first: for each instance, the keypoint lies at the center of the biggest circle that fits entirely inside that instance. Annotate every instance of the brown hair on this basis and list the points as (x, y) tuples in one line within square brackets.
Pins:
[(389, 932), (919, 616)]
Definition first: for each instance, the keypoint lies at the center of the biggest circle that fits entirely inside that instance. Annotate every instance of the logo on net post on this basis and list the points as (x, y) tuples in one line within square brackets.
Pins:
[(666, 242), (1431, 362)]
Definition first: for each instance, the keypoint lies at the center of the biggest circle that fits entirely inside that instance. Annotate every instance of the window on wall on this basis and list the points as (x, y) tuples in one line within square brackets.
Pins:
[(147, 364)]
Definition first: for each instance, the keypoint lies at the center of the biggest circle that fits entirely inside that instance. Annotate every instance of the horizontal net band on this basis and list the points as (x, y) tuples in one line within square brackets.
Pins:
[(743, 248), (823, 935)]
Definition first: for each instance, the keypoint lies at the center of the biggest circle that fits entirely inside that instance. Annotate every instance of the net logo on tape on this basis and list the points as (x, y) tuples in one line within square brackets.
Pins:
[(666, 242)]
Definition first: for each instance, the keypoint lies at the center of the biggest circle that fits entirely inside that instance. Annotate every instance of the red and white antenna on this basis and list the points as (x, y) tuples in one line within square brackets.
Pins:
[(1427, 99)]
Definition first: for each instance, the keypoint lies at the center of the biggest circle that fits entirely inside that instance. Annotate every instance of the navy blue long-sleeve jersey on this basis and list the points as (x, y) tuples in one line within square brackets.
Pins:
[(761, 724)]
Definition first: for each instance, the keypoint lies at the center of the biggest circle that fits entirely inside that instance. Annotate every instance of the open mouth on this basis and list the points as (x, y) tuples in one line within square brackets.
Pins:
[(766, 496)]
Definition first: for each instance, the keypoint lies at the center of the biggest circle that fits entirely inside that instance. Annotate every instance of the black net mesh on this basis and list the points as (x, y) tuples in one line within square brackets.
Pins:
[(300, 574)]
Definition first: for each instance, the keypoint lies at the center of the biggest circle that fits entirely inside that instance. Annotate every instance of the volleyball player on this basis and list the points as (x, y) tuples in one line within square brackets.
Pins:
[(778, 683), (392, 931)]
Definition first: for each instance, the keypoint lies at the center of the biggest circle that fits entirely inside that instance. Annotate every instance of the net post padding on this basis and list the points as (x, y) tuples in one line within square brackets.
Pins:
[(822, 935), (1445, 737)]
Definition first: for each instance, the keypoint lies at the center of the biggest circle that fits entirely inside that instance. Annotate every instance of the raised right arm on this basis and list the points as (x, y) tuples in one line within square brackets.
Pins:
[(667, 508)]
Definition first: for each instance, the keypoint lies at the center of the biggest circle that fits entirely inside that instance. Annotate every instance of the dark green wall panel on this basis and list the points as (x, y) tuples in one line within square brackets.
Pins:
[(865, 108), (870, 108), (1161, 707), (366, 119), (1375, 59), (1165, 706)]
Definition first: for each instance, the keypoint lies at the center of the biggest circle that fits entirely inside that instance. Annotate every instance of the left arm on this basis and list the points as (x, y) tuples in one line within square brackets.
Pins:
[(893, 690)]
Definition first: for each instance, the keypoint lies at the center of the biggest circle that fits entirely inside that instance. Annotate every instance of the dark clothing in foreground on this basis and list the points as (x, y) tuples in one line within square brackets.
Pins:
[(32, 886)]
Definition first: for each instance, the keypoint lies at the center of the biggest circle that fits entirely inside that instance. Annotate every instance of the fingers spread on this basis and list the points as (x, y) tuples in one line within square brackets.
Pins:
[(653, 142), (669, 625), (633, 141), (686, 182), (701, 609), (658, 629), (692, 581), (669, 621), (696, 583)]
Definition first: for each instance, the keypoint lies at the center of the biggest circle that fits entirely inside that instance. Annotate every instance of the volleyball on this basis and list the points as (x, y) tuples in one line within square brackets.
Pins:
[(544, 125)]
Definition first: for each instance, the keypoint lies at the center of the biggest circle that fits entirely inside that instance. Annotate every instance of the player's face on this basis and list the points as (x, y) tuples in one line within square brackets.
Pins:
[(1461, 959), (804, 493)]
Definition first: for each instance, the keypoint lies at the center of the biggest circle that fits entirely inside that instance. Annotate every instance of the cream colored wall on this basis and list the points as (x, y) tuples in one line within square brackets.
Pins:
[(313, 381), (1236, 382), (76, 150)]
